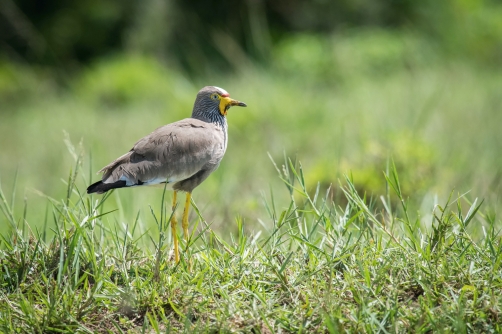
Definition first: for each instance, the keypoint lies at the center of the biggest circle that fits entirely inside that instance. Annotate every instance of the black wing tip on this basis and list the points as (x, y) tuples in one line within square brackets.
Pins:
[(100, 187)]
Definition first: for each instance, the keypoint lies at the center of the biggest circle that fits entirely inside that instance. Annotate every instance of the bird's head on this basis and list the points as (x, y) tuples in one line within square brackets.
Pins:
[(212, 102)]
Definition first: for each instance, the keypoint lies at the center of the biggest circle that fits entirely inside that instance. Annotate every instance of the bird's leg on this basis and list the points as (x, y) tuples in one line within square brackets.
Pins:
[(174, 222), (184, 222)]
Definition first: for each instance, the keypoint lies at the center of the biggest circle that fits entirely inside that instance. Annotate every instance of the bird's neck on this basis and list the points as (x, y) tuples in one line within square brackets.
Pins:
[(221, 122), (212, 117)]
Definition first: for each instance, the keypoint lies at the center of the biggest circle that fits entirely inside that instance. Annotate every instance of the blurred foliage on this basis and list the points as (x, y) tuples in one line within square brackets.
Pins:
[(200, 35), (59, 32), (18, 82), (352, 55), (118, 81), (413, 156), (347, 86), (438, 121)]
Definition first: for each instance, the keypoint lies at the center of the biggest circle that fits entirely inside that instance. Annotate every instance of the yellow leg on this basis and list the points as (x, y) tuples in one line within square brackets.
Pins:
[(184, 222), (174, 222)]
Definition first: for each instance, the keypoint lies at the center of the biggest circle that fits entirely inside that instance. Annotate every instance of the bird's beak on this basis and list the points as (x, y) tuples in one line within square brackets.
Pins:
[(226, 103)]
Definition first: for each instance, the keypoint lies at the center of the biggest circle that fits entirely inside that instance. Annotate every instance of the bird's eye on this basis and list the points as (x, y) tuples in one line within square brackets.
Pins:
[(214, 96)]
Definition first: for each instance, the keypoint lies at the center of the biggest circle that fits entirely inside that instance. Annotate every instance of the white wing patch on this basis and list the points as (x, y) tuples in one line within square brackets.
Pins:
[(152, 182), (157, 181)]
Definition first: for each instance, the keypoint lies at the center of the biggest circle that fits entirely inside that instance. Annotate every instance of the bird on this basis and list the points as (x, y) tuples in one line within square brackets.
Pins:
[(178, 156)]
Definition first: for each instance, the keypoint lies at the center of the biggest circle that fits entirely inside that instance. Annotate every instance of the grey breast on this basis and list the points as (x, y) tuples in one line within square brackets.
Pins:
[(183, 154)]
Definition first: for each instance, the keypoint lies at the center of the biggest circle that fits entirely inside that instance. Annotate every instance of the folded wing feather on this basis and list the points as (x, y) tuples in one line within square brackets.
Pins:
[(171, 153)]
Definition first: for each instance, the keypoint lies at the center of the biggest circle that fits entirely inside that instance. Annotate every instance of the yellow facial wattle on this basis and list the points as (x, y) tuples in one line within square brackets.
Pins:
[(226, 103)]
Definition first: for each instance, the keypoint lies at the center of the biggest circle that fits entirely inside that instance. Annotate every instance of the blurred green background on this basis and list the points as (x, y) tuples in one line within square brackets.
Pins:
[(343, 86)]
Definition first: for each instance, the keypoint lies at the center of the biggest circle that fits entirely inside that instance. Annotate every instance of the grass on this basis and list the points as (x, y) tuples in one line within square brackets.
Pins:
[(370, 265), (370, 253)]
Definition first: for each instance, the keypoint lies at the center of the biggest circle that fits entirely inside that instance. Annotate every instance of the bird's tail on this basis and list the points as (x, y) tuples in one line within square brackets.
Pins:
[(100, 187)]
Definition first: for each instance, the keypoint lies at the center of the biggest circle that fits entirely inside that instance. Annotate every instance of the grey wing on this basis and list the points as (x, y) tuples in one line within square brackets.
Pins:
[(170, 154)]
